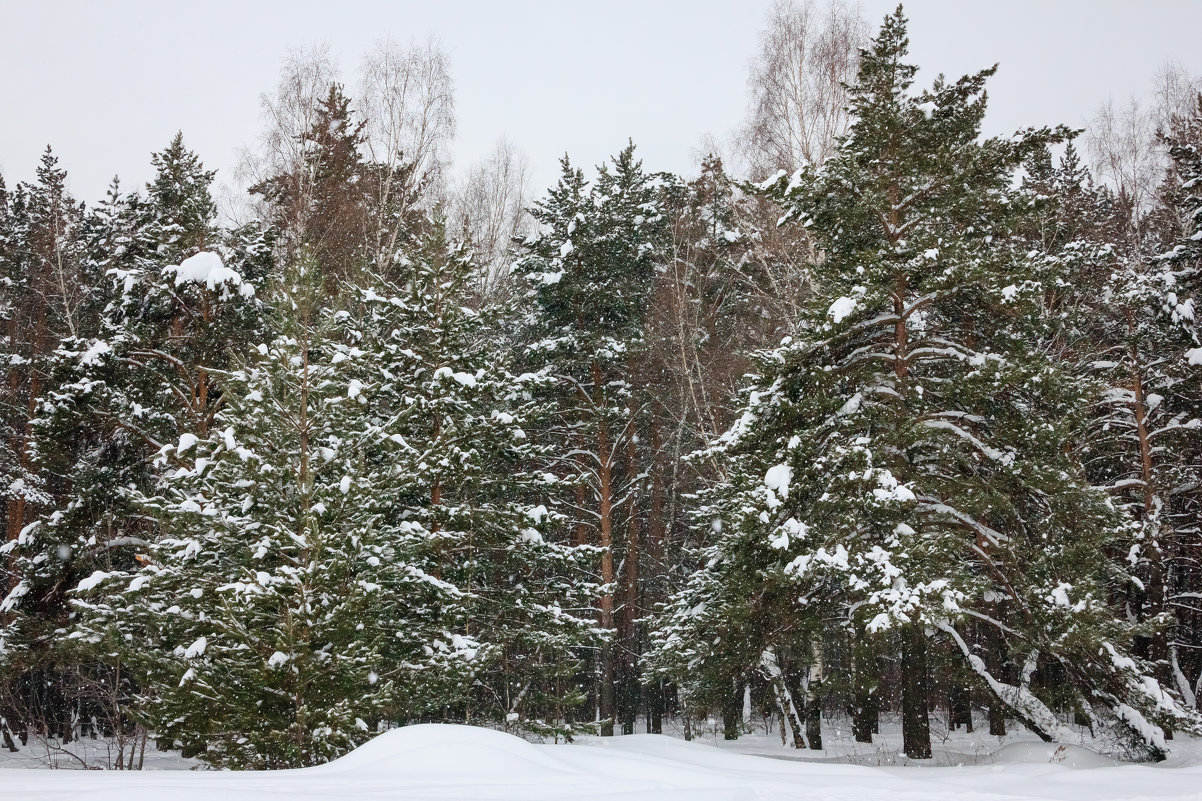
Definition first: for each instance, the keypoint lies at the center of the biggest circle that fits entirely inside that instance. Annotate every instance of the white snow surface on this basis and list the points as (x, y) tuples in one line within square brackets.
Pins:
[(461, 763)]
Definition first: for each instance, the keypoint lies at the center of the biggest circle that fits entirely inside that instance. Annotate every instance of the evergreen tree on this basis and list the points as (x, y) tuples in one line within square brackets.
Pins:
[(161, 320), (886, 470), (287, 613), (589, 274), (42, 304), (440, 385)]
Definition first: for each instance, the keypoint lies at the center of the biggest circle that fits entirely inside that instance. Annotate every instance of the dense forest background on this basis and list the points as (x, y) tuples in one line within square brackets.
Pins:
[(871, 415)]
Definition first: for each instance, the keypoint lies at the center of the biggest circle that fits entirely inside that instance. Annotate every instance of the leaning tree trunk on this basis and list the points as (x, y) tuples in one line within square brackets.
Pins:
[(784, 698), (995, 661)]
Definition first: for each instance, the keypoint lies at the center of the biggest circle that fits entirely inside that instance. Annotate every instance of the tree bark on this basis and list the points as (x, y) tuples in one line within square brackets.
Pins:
[(916, 725), (630, 603), (865, 711), (814, 701), (732, 711), (605, 490)]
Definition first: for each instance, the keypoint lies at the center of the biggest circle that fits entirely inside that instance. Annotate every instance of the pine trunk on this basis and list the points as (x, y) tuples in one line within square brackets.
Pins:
[(732, 711), (865, 710), (959, 704), (605, 480), (916, 725), (655, 707)]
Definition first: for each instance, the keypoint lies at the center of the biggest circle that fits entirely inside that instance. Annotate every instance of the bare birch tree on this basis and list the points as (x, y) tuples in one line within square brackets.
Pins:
[(1123, 143), (798, 105), (305, 78), (488, 209), (406, 97)]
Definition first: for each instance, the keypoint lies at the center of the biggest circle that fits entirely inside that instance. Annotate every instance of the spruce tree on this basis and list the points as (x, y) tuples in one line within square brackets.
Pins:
[(44, 302), (159, 321)]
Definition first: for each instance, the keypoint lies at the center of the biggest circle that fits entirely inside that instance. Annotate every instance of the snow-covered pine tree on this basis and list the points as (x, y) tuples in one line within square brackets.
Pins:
[(1154, 407), (163, 321), (287, 613), (454, 416), (74, 466), (905, 463), (15, 472), (589, 273), (1120, 322), (42, 303)]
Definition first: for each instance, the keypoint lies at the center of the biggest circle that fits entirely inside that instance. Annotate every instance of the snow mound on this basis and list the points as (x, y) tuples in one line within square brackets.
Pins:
[(1069, 756), (434, 751)]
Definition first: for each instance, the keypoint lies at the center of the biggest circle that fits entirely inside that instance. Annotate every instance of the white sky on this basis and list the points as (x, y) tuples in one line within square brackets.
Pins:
[(108, 83)]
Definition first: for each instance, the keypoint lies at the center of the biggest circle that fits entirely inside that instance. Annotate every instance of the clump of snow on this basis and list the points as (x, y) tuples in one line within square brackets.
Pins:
[(778, 479), (197, 648), (96, 353), (852, 406), (466, 379), (890, 489), (92, 581), (841, 308), (207, 268)]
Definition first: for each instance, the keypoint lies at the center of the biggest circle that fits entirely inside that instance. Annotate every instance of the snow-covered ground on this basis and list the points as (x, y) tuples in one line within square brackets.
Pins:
[(459, 762)]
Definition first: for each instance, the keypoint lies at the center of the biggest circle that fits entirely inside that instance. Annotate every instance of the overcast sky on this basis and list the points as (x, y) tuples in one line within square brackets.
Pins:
[(107, 83)]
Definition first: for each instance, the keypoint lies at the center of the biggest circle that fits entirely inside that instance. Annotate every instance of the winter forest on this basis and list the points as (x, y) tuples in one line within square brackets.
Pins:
[(872, 419)]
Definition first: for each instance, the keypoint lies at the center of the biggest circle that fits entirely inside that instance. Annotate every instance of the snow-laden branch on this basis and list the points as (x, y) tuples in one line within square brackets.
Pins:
[(1019, 699)]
